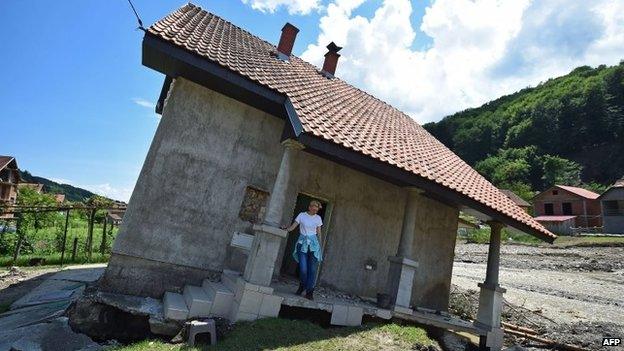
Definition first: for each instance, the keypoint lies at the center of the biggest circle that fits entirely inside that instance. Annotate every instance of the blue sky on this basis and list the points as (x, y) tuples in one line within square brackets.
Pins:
[(80, 104)]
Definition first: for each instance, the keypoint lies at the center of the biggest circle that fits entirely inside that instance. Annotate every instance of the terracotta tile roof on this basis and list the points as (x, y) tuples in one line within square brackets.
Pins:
[(553, 218), (334, 110), (515, 198), (579, 191)]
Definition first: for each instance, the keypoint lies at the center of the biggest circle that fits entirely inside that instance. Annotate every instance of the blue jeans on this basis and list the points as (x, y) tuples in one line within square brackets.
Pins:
[(307, 269)]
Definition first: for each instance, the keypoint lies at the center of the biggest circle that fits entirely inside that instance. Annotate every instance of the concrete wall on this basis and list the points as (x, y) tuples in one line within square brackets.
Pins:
[(185, 206), (613, 224)]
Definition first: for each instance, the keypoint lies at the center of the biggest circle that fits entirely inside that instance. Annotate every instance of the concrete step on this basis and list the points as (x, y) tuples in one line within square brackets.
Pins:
[(221, 296), (228, 278), (175, 307), (198, 302)]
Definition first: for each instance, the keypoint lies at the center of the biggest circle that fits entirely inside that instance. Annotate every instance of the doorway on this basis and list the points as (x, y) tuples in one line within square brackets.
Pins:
[(289, 265)]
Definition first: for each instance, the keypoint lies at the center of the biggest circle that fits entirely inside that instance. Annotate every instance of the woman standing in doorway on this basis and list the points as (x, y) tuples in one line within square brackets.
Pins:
[(307, 251)]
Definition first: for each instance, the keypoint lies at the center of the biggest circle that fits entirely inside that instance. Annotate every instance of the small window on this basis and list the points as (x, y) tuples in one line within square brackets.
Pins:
[(566, 208), (254, 204), (555, 192), (549, 209)]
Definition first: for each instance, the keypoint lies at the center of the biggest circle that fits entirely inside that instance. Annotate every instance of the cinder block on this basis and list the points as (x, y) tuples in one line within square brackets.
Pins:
[(198, 302), (236, 314), (271, 305), (339, 315), (250, 301), (354, 316), (175, 307), (221, 297), (402, 309)]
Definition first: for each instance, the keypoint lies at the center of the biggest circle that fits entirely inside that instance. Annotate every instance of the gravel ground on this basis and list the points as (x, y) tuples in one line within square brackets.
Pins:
[(572, 295)]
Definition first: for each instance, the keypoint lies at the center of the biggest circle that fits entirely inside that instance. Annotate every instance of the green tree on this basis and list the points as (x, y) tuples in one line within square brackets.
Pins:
[(558, 170)]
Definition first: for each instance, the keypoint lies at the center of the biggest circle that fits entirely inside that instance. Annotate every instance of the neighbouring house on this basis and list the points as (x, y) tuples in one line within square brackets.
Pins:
[(520, 202), (563, 200), (9, 180), (115, 217), (249, 134), (59, 198), (612, 203)]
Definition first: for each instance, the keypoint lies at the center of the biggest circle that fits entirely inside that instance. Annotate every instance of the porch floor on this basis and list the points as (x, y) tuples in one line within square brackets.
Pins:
[(325, 299)]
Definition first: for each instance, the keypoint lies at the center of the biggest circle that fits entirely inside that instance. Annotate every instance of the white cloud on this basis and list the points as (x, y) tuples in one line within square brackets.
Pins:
[(113, 192), (480, 49), (144, 103), (294, 7), (105, 189)]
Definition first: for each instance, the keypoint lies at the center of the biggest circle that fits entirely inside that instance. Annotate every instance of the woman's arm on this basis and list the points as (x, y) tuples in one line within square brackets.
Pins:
[(318, 234), (291, 228)]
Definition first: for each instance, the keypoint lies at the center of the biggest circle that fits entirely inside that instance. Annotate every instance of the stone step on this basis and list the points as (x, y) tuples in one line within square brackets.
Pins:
[(198, 302), (229, 278), (175, 307), (221, 297)]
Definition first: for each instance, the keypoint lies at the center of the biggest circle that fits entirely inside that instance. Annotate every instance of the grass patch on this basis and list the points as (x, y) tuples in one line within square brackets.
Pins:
[(588, 241), (482, 236), (53, 259), (296, 335)]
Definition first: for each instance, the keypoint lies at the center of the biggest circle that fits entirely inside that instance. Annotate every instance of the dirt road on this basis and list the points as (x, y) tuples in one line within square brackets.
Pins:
[(572, 288)]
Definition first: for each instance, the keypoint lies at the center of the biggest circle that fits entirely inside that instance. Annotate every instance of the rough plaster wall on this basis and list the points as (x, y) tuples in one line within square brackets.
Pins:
[(365, 222), (434, 249), (207, 149)]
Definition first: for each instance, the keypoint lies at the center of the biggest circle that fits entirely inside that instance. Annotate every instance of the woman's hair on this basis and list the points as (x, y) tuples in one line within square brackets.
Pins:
[(317, 203)]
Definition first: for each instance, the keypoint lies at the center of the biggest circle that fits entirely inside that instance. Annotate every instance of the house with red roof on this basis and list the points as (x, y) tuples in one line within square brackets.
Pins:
[(249, 134), (9, 180), (560, 202)]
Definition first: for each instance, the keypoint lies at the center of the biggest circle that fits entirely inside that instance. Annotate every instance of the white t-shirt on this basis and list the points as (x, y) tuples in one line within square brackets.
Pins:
[(308, 224)]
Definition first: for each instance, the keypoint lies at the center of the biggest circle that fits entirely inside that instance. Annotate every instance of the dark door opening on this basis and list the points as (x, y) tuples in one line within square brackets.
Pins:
[(566, 208), (289, 265), (549, 209)]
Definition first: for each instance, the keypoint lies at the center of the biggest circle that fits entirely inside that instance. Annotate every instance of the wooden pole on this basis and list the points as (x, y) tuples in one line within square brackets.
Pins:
[(103, 245), (90, 234), (18, 231), (74, 249), (64, 237)]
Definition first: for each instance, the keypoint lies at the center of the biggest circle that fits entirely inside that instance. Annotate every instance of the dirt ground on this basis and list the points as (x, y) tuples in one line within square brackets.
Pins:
[(572, 295)]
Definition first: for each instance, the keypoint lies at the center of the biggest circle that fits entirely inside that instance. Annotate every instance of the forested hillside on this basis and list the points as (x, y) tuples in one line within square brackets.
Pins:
[(566, 130), (72, 193)]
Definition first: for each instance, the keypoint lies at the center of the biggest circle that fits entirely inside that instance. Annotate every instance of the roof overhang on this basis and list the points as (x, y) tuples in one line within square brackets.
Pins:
[(174, 61)]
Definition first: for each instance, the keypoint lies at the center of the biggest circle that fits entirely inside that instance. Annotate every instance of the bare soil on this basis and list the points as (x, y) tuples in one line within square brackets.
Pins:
[(571, 295)]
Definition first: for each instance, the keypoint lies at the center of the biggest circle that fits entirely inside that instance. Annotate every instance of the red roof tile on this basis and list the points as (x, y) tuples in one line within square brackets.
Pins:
[(553, 218), (579, 191), (334, 110)]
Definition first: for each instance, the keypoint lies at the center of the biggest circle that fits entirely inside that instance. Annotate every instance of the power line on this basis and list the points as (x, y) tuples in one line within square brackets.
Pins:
[(137, 16)]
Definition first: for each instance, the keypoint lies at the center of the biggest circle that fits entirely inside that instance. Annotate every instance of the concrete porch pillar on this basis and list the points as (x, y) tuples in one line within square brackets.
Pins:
[(402, 268), (268, 236), (491, 295)]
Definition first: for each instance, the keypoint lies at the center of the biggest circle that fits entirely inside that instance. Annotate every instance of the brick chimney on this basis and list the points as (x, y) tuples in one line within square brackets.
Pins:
[(287, 41), (331, 59)]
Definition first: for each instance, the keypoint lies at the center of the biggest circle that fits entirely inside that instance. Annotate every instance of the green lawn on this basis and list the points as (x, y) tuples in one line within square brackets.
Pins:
[(571, 241), (291, 335)]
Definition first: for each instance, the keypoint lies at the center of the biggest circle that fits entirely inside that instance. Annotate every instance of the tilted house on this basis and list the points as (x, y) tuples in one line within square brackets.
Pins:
[(249, 133), (612, 203)]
